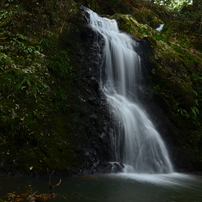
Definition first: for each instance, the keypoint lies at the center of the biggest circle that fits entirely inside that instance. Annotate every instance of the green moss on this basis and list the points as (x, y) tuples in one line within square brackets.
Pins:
[(130, 25)]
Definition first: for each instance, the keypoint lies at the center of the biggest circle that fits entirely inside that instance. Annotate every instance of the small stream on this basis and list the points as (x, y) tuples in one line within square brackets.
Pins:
[(109, 188)]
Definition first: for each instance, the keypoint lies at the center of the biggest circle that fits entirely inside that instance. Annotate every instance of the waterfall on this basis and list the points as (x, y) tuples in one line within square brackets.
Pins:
[(136, 143), (160, 27)]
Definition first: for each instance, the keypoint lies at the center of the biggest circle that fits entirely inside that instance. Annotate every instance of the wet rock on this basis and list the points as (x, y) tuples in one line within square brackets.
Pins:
[(117, 167)]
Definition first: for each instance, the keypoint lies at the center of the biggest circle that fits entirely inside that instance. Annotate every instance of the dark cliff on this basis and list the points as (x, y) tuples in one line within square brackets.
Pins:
[(53, 114)]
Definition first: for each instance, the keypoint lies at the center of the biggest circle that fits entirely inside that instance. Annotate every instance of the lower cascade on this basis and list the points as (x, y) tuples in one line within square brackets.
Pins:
[(135, 141)]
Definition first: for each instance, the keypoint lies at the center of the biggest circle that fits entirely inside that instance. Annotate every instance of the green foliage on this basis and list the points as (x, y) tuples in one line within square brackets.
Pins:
[(153, 71), (17, 41), (195, 112), (60, 66), (59, 61), (158, 37), (177, 48), (23, 87), (143, 30), (192, 115), (59, 99), (35, 77), (173, 5)]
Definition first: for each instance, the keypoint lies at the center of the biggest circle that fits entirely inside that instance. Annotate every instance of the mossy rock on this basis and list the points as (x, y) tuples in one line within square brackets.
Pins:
[(130, 25), (147, 16)]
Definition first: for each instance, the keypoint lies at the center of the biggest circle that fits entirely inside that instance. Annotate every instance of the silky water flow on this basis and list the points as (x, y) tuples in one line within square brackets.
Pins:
[(136, 142)]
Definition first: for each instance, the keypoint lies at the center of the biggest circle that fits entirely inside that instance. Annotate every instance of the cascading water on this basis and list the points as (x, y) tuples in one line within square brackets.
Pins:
[(136, 142)]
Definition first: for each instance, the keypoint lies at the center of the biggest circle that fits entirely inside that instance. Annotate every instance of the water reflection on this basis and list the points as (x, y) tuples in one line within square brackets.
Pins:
[(112, 188)]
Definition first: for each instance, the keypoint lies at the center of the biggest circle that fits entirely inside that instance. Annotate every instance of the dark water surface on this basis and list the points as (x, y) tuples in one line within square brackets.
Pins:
[(109, 188)]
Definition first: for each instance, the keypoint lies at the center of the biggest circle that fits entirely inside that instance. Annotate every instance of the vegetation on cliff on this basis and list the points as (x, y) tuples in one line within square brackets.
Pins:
[(36, 78), (47, 113)]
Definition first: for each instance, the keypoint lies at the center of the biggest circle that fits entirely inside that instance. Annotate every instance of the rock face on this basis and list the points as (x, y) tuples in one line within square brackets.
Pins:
[(53, 115), (96, 122)]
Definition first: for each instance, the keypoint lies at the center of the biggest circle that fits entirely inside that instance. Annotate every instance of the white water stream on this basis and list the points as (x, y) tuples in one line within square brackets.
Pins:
[(136, 142), (160, 27)]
